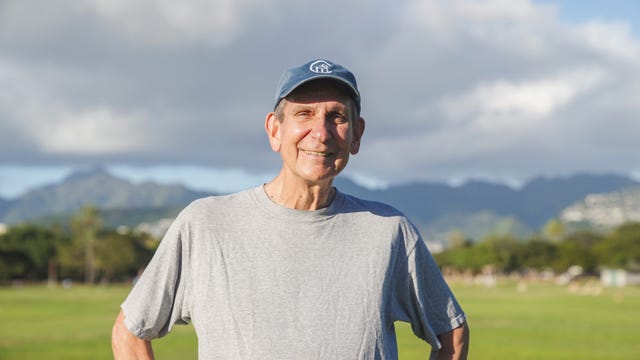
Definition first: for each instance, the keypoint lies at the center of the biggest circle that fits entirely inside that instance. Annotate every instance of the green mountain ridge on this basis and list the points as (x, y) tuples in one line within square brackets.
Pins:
[(98, 188), (476, 208)]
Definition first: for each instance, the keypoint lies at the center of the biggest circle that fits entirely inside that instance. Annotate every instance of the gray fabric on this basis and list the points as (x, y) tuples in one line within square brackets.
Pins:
[(261, 281)]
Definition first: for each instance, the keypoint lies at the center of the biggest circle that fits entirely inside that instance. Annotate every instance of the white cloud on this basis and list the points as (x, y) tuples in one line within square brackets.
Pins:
[(505, 104), (461, 14), (156, 23), (450, 87), (514, 25), (167, 22), (21, 18), (39, 116), (97, 131), (492, 10), (612, 40)]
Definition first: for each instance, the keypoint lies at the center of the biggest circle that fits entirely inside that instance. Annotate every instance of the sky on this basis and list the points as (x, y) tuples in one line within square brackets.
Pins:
[(177, 92)]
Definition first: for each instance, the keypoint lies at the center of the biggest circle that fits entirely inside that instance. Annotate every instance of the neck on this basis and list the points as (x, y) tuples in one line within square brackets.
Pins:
[(300, 195)]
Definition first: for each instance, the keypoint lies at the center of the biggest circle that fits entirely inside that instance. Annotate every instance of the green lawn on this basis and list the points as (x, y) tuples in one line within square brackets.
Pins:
[(546, 322)]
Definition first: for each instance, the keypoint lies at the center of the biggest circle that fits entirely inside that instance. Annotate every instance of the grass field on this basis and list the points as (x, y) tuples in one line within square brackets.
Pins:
[(545, 322)]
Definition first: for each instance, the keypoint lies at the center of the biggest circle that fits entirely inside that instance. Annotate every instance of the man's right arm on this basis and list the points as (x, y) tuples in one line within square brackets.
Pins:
[(127, 346), (455, 344)]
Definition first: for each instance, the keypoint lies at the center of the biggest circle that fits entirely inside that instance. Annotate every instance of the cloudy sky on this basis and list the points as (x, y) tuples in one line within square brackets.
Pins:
[(452, 90)]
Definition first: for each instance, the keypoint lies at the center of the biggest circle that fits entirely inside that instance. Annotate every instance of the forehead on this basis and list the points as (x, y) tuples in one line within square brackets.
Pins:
[(320, 91)]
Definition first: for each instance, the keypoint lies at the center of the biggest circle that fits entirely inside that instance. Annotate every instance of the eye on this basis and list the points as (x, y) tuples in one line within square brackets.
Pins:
[(339, 118)]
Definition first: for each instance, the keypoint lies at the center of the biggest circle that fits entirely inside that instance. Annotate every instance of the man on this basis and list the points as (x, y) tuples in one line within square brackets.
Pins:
[(295, 269)]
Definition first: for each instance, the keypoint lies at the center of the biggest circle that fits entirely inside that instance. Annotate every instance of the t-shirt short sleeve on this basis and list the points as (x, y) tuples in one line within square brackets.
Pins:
[(425, 299), (158, 299)]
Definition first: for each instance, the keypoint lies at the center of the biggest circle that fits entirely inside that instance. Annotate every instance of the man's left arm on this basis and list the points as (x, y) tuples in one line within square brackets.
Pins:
[(455, 344), (434, 312)]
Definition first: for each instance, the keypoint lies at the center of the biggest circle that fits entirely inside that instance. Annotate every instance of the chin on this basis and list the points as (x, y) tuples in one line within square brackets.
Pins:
[(322, 174), (317, 178)]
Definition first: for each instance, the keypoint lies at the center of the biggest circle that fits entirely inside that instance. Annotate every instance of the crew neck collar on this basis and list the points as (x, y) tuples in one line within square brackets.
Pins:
[(272, 207)]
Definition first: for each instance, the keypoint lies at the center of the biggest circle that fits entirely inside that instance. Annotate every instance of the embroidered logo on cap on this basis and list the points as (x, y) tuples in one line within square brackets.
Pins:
[(321, 67)]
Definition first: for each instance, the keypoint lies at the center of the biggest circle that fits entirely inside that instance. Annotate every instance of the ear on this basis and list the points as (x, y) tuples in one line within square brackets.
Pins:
[(272, 127), (358, 130)]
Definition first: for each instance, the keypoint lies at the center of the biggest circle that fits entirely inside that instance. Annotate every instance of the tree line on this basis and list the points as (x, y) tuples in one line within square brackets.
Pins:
[(618, 248), (84, 250)]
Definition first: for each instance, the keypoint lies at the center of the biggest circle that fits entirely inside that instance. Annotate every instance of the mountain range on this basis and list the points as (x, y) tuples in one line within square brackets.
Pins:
[(476, 208), (95, 187), (480, 208)]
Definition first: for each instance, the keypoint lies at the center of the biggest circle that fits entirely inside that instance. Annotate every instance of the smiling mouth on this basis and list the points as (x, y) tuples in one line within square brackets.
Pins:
[(318, 153)]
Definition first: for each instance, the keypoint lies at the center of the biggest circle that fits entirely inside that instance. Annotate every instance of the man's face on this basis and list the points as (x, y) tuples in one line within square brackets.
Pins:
[(316, 133)]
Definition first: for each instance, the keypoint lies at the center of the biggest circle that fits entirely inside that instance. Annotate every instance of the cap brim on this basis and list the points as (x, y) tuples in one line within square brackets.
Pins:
[(354, 91)]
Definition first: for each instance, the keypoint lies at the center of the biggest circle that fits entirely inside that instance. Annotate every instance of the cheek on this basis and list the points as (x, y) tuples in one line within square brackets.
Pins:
[(345, 135), (296, 134)]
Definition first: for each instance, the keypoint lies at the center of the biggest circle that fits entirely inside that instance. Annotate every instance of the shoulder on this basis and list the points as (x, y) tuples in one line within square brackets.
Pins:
[(375, 212), (375, 208), (382, 218), (215, 200), (209, 207)]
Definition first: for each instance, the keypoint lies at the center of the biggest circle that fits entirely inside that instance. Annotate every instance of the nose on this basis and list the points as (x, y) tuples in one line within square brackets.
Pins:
[(320, 129)]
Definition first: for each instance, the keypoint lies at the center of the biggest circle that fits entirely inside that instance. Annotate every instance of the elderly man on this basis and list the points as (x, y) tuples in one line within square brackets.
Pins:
[(295, 269)]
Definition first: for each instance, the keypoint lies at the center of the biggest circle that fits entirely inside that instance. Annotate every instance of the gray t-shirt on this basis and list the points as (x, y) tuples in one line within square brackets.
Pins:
[(261, 281)]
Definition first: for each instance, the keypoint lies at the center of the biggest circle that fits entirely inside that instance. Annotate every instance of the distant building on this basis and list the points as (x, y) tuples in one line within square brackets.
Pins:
[(157, 229), (3, 229), (610, 210), (619, 278), (435, 246)]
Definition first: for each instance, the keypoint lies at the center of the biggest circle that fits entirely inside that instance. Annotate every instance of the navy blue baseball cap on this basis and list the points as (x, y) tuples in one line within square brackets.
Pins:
[(314, 70)]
